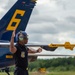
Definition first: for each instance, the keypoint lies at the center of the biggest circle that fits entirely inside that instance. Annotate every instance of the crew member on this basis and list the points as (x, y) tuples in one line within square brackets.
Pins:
[(20, 51)]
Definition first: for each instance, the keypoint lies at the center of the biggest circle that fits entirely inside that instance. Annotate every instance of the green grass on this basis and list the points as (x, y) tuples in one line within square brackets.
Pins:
[(3, 73), (48, 73), (62, 73)]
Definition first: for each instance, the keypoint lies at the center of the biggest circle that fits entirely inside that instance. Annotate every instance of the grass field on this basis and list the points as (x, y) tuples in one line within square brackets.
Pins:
[(49, 73)]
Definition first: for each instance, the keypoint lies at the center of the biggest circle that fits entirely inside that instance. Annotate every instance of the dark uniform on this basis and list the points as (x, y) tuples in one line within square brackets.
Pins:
[(21, 60)]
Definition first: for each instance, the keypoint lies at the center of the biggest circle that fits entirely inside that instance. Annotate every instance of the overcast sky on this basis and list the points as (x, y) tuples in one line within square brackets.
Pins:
[(52, 21)]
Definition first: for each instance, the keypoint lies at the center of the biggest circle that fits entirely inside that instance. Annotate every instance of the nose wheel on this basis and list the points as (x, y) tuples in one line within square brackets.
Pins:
[(7, 70)]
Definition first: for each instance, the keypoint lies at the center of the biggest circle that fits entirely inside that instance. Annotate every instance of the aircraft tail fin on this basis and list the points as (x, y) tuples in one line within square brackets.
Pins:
[(16, 18)]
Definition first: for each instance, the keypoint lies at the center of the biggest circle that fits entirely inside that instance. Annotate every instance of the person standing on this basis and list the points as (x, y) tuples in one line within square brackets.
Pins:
[(20, 52)]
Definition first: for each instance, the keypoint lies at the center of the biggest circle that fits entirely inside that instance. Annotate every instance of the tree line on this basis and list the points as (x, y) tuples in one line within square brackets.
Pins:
[(55, 64)]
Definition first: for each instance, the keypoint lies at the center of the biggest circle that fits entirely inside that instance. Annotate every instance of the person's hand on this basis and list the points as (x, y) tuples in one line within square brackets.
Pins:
[(13, 34), (39, 50)]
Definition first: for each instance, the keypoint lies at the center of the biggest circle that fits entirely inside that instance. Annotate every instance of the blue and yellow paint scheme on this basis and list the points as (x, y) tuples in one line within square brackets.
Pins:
[(16, 18)]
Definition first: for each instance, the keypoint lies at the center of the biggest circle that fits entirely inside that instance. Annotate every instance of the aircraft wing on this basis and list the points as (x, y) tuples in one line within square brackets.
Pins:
[(45, 47), (49, 47), (39, 54), (33, 57)]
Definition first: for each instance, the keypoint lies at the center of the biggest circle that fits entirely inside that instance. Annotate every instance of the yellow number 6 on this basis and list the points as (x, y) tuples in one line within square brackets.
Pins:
[(15, 20)]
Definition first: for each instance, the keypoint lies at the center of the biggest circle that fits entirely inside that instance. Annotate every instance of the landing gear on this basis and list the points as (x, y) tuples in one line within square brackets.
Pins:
[(6, 70)]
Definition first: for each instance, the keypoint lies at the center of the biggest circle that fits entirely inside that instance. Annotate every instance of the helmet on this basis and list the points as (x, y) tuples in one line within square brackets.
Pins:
[(21, 36)]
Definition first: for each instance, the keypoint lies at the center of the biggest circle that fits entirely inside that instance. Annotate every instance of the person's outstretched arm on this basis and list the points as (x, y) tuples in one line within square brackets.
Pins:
[(31, 50), (12, 47)]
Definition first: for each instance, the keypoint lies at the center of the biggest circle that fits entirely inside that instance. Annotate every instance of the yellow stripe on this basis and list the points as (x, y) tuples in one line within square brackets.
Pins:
[(9, 56)]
